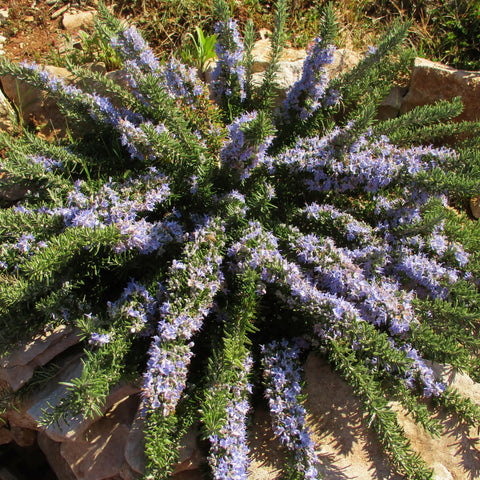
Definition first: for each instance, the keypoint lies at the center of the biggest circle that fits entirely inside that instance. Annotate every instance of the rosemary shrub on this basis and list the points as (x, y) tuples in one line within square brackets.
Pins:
[(205, 247)]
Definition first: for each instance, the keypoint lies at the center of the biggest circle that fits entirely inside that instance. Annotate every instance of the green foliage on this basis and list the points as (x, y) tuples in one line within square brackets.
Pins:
[(179, 235), (447, 31), (380, 416), (200, 51), (267, 89), (85, 48)]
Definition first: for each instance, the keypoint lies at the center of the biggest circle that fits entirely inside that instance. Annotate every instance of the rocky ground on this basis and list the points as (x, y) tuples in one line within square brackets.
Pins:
[(33, 29)]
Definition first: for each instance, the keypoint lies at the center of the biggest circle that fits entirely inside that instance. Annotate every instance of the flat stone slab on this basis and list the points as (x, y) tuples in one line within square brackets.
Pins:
[(432, 81), (18, 367), (348, 450)]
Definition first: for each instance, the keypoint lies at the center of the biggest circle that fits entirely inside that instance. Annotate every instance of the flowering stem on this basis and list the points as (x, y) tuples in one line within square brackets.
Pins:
[(225, 404), (282, 380)]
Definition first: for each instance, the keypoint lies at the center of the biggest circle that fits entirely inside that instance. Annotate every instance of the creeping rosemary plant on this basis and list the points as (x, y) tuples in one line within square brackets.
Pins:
[(204, 242)]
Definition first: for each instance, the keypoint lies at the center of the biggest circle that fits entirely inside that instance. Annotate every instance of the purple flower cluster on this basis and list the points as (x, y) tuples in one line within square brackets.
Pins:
[(118, 204), (14, 251), (99, 339), (131, 127), (369, 164), (25, 242), (426, 272), (420, 371), (282, 377), (380, 302), (194, 281), (258, 250), (344, 223), (137, 305), (406, 207), (135, 52), (47, 163), (166, 374), (228, 456), (240, 154), (135, 138), (442, 246), (308, 93), (180, 81), (427, 259), (229, 73)]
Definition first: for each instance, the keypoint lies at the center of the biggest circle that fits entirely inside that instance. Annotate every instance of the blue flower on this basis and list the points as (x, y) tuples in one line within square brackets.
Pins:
[(308, 94), (229, 73), (282, 377), (99, 339)]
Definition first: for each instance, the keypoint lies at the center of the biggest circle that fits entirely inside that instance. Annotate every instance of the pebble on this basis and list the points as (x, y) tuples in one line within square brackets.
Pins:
[(3, 15), (58, 12)]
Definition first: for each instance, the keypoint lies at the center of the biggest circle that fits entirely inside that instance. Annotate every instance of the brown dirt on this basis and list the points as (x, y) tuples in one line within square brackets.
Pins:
[(30, 31)]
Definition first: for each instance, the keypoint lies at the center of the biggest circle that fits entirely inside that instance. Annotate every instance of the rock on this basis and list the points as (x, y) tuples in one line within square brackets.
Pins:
[(390, 106), (18, 367), (100, 458), (50, 396), (344, 60), (30, 413), (17, 416), (452, 455), (119, 77), (35, 107), (3, 15), (475, 207), (23, 437), (457, 380), (126, 473), (135, 445), (440, 472), (57, 463), (433, 81), (347, 449), (5, 435), (97, 67), (10, 192), (266, 453), (99, 452), (261, 53), (190, 457), (288, 73), (8, 117), (76, 21), (76, 426)]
